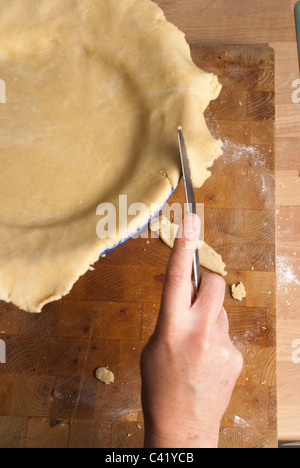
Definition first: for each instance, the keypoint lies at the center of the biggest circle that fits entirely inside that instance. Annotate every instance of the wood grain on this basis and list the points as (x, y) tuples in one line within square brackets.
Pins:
[(252, 21), (49, 396), (232, 21), (270, 22)]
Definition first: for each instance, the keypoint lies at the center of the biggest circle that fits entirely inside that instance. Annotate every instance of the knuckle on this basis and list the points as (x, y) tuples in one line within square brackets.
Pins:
[(204, 344), (215, 278), (225, 355), (238, 360), (200, 340), (232, 358), (202, 348)]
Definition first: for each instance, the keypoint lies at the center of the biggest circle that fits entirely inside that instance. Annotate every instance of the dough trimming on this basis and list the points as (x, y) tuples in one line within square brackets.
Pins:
[(208, 257), (104, 375), (238, 291)]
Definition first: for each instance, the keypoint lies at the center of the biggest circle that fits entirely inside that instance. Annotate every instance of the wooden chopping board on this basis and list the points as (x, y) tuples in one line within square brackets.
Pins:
[(48, 394)]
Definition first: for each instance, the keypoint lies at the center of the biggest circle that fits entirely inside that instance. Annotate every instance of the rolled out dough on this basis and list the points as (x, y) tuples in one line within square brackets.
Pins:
[(208, 257), (95, 92)]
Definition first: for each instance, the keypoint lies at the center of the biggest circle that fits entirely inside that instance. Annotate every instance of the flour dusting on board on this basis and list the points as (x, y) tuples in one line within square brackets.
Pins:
[(256, 155), (287, 279), (240, 422), (285, 273)]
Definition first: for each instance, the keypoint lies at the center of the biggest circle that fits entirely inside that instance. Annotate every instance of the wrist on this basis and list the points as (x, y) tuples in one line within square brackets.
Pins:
[(182, 437)]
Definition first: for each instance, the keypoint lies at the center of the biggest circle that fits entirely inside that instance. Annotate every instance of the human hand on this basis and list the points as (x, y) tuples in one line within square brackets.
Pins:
[(189, 367)]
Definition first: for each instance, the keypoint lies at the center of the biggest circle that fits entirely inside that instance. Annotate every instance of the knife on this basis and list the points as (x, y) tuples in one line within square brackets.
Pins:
[(191, 204)]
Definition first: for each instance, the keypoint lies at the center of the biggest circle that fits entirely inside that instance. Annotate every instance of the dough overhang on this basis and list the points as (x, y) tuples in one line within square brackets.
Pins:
[(95, 91)]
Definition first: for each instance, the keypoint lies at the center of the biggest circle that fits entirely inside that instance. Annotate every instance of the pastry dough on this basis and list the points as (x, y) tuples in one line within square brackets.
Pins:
[(208, 257), (95, 92), (238, 291), (104, 375)]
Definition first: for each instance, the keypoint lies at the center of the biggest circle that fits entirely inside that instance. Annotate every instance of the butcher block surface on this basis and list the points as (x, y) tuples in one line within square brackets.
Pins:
[(48, 394)]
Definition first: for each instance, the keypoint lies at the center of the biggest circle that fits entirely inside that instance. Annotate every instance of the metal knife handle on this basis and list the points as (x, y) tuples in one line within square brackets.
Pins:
[(191, 205), (196, 273)]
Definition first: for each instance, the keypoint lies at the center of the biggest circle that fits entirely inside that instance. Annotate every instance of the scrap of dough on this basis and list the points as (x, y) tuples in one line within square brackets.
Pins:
[(104, 375), (95, 92), (208, 257), (211, 260), (238, 291)]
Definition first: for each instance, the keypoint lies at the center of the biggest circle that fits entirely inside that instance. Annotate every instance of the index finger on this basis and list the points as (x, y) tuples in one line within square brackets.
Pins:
[(177, 287)]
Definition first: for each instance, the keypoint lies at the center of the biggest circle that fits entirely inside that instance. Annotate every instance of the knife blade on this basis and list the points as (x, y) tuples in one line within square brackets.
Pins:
[(191, 204)]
